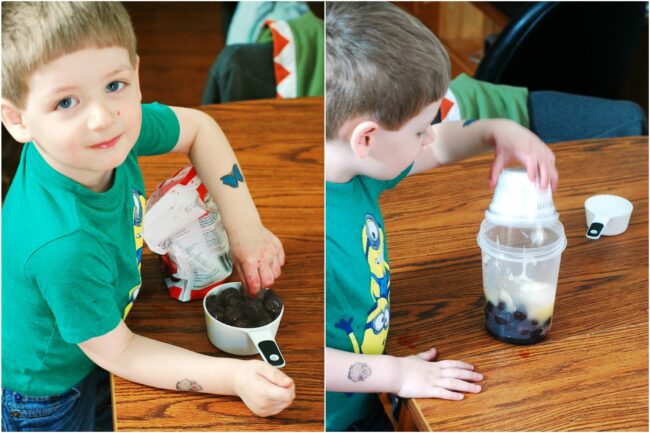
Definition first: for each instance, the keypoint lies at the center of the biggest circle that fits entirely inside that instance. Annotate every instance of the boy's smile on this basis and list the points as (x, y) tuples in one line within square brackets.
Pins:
[(83, 113)]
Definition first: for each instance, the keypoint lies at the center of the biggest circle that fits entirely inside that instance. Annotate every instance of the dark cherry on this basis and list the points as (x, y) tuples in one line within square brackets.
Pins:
[(272, 302)]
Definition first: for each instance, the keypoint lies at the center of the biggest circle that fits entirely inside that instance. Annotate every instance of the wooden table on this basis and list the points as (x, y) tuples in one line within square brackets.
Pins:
[(592, 371), (279, 144)]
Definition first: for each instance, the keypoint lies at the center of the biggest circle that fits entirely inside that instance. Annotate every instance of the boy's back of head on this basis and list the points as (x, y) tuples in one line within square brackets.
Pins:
[(381, 62), (35, 33)]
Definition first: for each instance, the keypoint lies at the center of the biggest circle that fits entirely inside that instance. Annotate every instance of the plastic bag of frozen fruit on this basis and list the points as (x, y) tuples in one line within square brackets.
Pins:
[(183, 225)]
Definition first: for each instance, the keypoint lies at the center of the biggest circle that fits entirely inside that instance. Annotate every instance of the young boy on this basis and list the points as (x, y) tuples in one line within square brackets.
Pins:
[(73, 216), (386, 77)]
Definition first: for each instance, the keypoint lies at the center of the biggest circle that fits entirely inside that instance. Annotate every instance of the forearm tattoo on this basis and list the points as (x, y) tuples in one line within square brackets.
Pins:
[(188, 385), (468, 122), (359, 371), (233, 178)]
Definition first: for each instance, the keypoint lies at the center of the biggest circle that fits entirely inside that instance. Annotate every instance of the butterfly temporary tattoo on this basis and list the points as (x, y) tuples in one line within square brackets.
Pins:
[(233, 179)]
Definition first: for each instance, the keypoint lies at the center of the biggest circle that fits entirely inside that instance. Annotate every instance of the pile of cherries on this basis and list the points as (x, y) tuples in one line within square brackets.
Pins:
[(235, 308)]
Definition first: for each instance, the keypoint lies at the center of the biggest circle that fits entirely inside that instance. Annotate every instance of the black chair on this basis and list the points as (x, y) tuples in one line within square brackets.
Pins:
[(583, 48)]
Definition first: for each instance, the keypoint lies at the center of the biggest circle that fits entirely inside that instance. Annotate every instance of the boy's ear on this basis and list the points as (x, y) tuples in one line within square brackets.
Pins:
[(12, 119), (362, 137), (137, 76)]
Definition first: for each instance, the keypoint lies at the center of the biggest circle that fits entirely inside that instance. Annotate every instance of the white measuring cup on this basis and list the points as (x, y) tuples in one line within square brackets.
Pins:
[(607, 215), (244, 341)]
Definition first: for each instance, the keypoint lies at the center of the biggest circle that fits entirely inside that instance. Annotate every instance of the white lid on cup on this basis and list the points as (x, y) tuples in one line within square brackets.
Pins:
[(519, 201)]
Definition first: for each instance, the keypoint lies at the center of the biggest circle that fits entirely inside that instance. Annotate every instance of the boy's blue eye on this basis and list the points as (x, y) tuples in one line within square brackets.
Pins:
[(66, 103), (115, 86)]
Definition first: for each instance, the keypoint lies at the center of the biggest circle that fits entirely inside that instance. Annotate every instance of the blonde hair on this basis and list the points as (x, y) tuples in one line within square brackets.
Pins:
[(35, 33), (381, 62)]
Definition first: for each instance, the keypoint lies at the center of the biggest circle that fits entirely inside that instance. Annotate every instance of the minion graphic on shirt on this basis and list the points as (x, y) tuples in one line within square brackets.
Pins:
[(378, 319), (138, 223)]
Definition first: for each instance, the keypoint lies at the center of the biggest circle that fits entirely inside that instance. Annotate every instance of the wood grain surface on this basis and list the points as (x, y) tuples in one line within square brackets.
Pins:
[(279, 144), (592, 371)]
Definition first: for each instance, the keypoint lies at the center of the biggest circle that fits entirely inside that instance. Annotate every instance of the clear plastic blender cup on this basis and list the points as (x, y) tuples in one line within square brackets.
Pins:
[(521, 242)]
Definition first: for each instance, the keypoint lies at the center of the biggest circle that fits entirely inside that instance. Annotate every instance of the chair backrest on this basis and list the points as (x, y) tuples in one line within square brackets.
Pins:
[(577, 47)]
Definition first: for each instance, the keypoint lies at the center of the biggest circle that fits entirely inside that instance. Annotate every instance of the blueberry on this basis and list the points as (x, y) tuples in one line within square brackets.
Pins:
[(235, 300), (489, 306), (525, 331), (536, 333), (520, 316), (500, 320), (502, 306), (534, 323)]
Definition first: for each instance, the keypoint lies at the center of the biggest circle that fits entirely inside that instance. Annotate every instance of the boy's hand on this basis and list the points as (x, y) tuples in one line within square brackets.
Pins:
[(422, 378), (512, 140), (264, 389), (257, 255)]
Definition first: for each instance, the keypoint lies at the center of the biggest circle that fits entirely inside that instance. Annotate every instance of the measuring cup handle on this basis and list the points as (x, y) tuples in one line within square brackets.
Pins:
[(596, 228), (268, 348)]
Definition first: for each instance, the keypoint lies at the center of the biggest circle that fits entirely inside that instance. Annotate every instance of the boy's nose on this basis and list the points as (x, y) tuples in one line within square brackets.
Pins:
[(101, 116)]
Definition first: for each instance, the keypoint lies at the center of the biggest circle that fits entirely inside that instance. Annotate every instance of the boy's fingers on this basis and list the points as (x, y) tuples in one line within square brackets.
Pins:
[(428, 355), (277, 393), (266, 276), (543, 177), (280, 249), (446, 394), (457, 385), (461, 373), (242, 277), (252, 277), (554, 178), (497, 165), (448, 363), (275, 267), (275, 376), (531, 168)]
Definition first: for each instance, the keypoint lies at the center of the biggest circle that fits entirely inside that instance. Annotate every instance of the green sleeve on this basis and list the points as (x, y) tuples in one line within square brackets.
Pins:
[(76, 278), (159, 132), (482, 100), (309, 34)]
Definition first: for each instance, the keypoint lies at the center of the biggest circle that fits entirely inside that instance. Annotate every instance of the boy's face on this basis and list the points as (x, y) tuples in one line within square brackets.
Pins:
[(394, 151), (83, 111)]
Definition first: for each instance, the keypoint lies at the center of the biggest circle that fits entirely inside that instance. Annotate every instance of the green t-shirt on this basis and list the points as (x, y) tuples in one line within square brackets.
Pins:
[(71, 261), (357, 284), (482, 100)]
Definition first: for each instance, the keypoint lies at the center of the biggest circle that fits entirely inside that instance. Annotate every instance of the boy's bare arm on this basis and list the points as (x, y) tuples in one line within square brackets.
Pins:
[(455, 141), (265, 389), (351, 372), (409, 377), (257, 254)]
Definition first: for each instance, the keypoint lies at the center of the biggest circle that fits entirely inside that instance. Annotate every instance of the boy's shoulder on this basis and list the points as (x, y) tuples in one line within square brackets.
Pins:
[(361, 185), (160, 130), (43, 207)]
